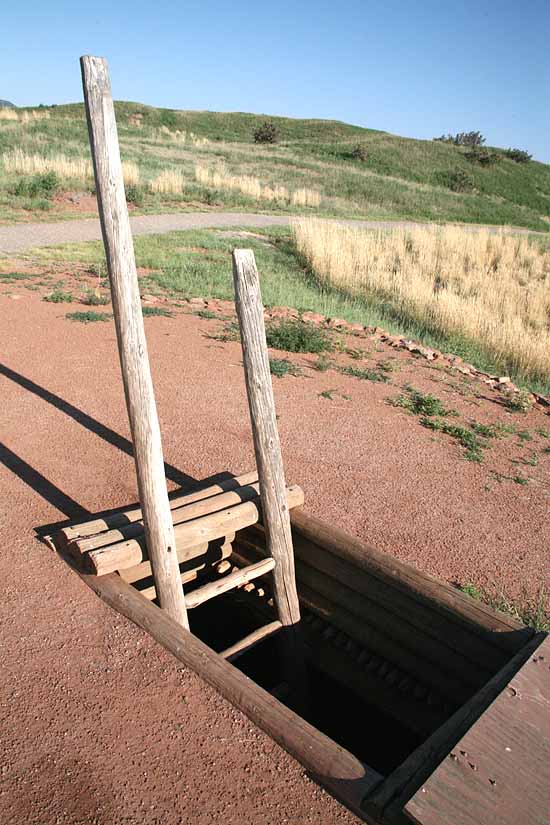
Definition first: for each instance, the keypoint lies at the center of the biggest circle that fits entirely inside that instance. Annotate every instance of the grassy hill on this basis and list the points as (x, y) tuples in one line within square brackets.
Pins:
[(198, 160)]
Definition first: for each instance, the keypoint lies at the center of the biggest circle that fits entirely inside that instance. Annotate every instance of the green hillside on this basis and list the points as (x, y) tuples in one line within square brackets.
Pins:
[(395, 177)]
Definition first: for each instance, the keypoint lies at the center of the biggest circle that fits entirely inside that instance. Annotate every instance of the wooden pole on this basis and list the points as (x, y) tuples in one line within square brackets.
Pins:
[(250, 311), (132, 346)]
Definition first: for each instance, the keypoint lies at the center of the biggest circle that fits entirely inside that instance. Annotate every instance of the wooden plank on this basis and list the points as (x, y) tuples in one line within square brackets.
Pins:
[(392, 794), (374, 639), (329, 764), (491, 625), (453, 649), (248, 642), (446, 669), (227, 583), (151, 592), (185, 513), (187, 536), (132, 345), (499, 772), (250, 312), (336, 662), (132, 514)]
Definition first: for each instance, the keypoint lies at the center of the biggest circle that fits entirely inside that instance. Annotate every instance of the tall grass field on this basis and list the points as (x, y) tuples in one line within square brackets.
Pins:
[(491, 289)]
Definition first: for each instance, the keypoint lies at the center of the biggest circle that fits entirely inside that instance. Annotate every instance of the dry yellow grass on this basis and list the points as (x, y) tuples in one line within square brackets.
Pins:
[(306, 197), (181, 136), (169, 182), (253, 188), (20, 163), (23, 117), (492, 288)]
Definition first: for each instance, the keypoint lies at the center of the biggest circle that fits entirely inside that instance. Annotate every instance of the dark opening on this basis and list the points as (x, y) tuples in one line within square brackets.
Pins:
[(351, 720)]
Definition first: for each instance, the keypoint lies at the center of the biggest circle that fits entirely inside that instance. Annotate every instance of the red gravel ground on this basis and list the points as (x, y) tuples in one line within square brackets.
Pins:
[(99, 724)]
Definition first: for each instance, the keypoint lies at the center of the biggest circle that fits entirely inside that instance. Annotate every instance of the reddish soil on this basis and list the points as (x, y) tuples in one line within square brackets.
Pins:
[(99, 724)]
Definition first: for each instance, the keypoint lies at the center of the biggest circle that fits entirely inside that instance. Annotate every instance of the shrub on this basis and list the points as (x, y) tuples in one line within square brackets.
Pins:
[(456, 181), (518, 155), (44, 185), (295, 336), (359, 153), (521, 401), (463, 139), (267, 132), (485, 157), (134, 194)]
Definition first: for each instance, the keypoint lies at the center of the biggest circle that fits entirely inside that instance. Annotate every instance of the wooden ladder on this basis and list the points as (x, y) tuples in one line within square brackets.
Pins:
[(158, 525)]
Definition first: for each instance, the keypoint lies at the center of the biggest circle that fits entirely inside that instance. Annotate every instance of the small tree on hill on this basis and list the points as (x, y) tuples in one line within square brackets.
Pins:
[(267, 132), (518, 155)]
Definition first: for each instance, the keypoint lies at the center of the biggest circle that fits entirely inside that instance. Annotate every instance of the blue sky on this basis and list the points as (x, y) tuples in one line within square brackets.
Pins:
[(410, 67)]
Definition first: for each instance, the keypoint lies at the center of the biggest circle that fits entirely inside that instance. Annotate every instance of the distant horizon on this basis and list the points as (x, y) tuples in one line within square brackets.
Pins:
[(416, 70)]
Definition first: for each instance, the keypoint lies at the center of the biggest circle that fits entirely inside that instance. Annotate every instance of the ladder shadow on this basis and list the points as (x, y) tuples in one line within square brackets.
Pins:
[(62, 501), (88, 422)]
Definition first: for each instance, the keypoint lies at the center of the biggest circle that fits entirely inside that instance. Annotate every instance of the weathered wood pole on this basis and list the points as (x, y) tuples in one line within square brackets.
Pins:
[(132, 346), (275, 512)]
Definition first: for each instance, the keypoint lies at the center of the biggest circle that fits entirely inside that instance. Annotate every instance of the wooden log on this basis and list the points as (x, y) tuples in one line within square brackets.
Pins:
[(248, 642), (331, 765), (442, 599), (230, 582), (187, 512), (203, 555), (187, 536), (131, 515), (250, 312), (132, 345)]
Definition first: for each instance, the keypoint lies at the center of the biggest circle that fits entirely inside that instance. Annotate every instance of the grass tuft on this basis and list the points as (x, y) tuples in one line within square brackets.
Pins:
[(156, 311), (296, 336), (419, 403), (282, 366), (365, 374), (58, 296), (88, 317)]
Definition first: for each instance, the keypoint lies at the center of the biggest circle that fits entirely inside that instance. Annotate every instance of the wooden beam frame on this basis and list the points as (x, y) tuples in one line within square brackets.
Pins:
[(132, 345), (332, 766)]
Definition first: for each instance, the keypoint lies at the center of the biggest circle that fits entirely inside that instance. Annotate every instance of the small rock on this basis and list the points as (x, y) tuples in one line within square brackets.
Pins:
[(358, 329), (337, 323), (197, 302), (504, 380), (313, 318)]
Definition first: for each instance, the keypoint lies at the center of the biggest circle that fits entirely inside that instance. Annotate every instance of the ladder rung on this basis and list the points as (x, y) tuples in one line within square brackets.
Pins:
[(236, 579), (251, 640)]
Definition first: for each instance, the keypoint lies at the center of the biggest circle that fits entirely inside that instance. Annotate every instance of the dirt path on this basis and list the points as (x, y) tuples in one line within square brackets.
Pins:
[(24, 236), (99, 725)]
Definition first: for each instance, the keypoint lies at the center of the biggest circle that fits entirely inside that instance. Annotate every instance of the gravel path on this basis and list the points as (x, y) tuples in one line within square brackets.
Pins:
[(21, 237)]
